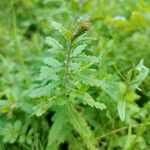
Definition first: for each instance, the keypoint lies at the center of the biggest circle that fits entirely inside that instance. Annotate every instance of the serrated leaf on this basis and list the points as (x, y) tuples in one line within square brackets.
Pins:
[(88, 59), (83, 18), (43, 91), (48, 73), (113, 89), (78, 50), (58, 131), (92, 59), (87, 99), (83, 39), (75, 66), (45, 75), (52, 62), (89, 80), (80, 125), (61, 29), (53, 43)]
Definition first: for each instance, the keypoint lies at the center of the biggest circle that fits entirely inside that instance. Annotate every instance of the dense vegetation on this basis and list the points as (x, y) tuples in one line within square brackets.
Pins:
[(74, 74)]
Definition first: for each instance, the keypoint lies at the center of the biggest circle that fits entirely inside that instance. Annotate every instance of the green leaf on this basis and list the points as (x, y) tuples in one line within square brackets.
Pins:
[(53, 43), (88, 59), (114, 89), (121, 109), (48, 73), (83, 39), (41, 108), (11, 131), (58, 131), (116, 92), (143, 73), (52, 62), (87, 99), (43, 91), (78, 50), (75, 66), (61, 29), (83, 18), (89, 80), (80, 125)]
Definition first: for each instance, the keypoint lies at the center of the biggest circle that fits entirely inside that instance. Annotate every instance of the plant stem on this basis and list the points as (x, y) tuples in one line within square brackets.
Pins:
[(111, 137), (119, 73), (140, 132), (69, 45), (122, 129), (128, 137)]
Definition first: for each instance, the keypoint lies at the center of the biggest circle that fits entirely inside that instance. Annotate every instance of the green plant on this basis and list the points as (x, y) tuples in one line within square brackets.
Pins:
[(64, 82), (79, 84), (66, 79)]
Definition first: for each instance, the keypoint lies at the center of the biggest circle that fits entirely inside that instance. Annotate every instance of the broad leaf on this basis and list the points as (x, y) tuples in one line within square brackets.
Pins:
[(121, 109)]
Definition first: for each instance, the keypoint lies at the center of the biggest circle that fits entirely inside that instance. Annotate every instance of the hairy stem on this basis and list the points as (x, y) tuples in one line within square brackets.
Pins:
[(68, 60)]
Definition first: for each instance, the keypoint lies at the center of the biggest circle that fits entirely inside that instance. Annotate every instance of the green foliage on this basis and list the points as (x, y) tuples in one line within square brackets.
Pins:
[(74, 74), (59, 130), (80, 126), (10, 132)]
